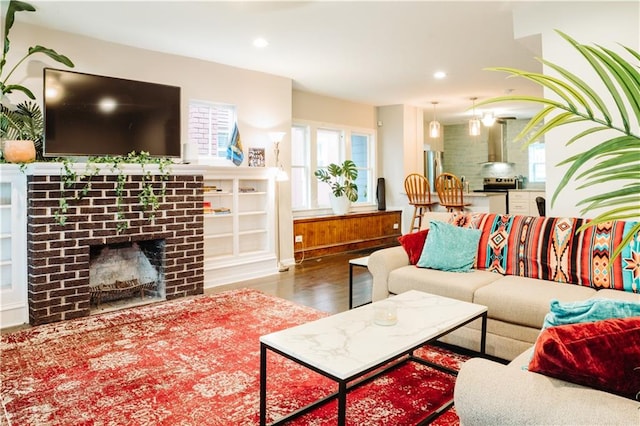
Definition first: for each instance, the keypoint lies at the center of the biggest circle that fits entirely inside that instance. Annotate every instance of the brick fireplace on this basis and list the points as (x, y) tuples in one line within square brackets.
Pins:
[(59, 255)]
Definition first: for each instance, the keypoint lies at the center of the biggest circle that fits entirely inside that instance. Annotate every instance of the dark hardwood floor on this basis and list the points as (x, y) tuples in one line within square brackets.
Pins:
[(321, 283)]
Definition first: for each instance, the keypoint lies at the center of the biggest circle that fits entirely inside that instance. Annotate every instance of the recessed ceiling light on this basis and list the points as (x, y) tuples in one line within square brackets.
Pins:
[(260, 43), (439, 75)]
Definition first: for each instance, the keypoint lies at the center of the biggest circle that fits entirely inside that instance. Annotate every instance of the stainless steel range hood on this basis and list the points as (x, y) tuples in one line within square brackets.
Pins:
[(497, 142)]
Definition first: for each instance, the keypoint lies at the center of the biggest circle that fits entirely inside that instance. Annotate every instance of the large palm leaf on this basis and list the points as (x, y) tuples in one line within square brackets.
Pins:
[(617, 156)]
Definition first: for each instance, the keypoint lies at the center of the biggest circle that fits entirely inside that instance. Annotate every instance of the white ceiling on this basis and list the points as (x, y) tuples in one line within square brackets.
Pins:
[(373, 52)]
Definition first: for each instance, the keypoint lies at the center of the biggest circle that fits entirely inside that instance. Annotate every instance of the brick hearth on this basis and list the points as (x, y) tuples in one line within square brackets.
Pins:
[(58, 256)]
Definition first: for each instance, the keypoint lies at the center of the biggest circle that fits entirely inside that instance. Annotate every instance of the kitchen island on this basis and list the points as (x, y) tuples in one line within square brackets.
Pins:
[(481, 202)]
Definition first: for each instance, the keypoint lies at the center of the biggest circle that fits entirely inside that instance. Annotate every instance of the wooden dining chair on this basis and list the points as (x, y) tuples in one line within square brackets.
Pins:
[(417, 188), (450, 192)]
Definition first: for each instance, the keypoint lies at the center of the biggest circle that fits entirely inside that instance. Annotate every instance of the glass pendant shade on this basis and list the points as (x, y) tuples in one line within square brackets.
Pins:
[(474, 127), (488, 119), (474, 123), (434, 129), (434, 126)]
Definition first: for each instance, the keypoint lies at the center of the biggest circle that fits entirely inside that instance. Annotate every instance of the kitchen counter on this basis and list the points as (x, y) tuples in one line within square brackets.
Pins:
[(481, 202)]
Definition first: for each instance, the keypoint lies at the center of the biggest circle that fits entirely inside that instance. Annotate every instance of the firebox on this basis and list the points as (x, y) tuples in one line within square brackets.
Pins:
[(128, 273)]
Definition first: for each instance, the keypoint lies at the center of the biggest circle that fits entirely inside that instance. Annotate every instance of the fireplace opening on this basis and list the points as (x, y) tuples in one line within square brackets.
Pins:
[(126, 274)]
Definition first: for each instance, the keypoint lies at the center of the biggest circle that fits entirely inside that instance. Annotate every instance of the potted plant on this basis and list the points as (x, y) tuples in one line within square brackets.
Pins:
[(25, 122), (21, 130), (341, 179), (616, 155)]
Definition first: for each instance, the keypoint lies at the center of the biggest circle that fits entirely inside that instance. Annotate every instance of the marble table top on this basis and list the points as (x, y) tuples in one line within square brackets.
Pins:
[(350, 342)]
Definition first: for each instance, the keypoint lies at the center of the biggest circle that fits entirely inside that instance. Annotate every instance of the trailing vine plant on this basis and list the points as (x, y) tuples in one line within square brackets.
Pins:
[(74, 186)]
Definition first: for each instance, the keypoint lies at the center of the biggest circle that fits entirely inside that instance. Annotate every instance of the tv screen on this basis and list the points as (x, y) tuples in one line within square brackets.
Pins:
[(92, 115)]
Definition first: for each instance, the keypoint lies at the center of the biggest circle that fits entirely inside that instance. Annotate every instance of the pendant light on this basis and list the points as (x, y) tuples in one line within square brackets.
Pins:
[(434, 126), (488, 119), (474, 123)]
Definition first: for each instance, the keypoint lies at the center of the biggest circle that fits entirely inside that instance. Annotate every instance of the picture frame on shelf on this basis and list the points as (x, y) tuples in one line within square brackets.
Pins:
[(256, 157)]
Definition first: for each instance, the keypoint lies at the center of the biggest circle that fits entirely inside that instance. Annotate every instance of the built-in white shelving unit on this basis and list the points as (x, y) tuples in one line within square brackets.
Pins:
[(239, 224), (13, 246)]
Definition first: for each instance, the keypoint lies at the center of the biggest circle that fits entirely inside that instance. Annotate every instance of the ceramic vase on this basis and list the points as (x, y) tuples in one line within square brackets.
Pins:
[(19, 151)]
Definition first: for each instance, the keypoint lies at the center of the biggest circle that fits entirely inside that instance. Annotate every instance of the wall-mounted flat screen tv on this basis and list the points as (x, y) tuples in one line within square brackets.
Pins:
[(92, 115)]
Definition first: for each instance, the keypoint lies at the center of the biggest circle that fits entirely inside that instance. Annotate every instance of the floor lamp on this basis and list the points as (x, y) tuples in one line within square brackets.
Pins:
[(281, 176)]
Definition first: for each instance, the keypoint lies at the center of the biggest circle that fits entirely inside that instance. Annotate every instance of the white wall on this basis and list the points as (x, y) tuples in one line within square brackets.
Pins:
[(263, 101), (323, 109), (605, 23), (400, 148)]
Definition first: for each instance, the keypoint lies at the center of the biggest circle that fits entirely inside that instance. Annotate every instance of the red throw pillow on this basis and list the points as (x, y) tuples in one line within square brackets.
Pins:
[(603, 355), (413, 244)]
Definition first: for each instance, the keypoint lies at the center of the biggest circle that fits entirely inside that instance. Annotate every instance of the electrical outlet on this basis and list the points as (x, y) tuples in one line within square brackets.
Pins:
[(396, 226), (298, 238)]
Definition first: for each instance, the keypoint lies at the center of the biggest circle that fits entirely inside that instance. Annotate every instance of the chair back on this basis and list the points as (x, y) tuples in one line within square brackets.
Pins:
[(450, 191), (417, 189), (541, 203)]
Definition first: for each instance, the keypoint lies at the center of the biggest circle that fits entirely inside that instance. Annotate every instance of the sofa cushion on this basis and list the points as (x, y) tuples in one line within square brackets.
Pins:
[(525, 301), (458, 285), (594, 309), (449, 247), (552, 249), (617, 294), (413, 243), (428, 216), (604, 355)]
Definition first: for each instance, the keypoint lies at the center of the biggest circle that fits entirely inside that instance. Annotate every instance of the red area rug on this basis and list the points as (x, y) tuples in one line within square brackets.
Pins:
[(194, 362)]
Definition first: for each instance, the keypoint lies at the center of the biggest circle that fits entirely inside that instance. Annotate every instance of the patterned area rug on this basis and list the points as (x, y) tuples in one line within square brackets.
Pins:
[(194, 362)]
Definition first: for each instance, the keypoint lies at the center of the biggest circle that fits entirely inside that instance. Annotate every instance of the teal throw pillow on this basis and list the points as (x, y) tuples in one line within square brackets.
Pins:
[(449, 247), (590, 310)]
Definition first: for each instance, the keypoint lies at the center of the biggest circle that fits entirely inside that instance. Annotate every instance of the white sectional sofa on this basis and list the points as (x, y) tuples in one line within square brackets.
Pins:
[(517, 304), (543, 259)]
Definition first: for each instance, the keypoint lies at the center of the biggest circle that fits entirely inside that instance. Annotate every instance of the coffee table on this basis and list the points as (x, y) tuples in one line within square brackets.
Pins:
[(349, 345)]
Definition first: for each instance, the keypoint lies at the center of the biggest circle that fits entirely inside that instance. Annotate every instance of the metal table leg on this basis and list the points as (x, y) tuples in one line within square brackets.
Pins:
[(263, 384)]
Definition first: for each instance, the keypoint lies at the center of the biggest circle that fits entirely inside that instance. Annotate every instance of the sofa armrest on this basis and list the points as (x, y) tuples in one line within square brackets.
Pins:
[(381, 263), (489, 393)]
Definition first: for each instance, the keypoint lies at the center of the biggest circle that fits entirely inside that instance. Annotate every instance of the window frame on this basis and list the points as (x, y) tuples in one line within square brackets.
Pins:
[(213, 160), (536, 146), (311, 132)]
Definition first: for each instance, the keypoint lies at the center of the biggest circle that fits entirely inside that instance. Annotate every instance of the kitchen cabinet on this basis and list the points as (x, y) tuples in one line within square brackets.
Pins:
[(523, 202)]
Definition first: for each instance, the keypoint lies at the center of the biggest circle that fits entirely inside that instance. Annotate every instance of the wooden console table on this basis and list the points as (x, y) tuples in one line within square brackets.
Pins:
[(323, 235)]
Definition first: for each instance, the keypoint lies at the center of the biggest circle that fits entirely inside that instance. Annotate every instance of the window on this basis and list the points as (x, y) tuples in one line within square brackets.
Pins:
[(537, 169), (210, 127), (313, 147), (300, 170)]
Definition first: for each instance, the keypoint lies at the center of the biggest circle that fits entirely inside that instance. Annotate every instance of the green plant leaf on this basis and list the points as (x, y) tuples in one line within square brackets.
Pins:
[(614, 159), (587, 53), (14, 6), (577, 161), (584, 88), (52, 54)]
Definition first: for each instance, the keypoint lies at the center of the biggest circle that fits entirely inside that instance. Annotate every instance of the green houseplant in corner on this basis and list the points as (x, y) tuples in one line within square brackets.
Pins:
[(614, 159), (341, 179), (21, 129)]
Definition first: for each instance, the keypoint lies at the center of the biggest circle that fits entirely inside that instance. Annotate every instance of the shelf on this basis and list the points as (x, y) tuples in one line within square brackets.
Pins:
[(232, 245), (253, 232), (217, 236), (217, 194)]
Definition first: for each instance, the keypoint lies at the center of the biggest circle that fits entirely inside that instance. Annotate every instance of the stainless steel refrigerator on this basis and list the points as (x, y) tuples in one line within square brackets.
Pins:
[(432, 167)]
